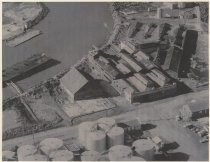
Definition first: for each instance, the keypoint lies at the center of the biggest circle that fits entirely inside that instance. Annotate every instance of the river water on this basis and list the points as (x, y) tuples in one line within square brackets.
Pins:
[(69, 31)]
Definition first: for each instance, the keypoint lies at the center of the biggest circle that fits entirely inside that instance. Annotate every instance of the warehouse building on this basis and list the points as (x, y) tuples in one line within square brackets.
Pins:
[(137, 84), (131, 62), (194, 110), (127, 46), (123, 68), (134, 28), (103, 66), (140, 56), (78, 87), (158, 77), (136, 80), (145, 80)]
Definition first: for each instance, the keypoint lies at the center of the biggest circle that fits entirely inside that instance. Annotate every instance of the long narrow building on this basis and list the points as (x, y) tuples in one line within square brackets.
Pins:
[(123, 68), (141, 56), (137, 84), (158, 77), (145, 80), (131, 62)]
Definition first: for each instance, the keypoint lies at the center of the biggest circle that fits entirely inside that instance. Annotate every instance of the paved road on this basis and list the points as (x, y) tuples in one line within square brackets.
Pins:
[(152, 111)]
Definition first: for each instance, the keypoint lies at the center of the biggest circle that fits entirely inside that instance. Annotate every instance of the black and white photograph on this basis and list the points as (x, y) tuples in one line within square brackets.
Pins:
[(105, 81)]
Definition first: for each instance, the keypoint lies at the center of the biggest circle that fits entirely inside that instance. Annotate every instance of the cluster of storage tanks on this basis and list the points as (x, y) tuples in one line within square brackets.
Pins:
[(100, 138), (105, 136), (48, 149)]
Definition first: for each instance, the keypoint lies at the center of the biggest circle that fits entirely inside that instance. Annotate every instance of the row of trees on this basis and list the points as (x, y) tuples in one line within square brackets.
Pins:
[(30, 129)]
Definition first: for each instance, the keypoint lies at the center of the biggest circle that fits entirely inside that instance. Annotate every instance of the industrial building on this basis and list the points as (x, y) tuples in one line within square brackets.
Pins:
[(78, 86), (127, 46), (133, 29), (131, 62), (133, 76), (103, 66), (123, 68), (194, 110)]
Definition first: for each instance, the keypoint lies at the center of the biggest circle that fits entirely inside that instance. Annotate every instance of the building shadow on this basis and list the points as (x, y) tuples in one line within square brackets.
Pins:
[(177, 156), (42, 67), (171, 146), (182, 88), (107, 88), (148, 126)]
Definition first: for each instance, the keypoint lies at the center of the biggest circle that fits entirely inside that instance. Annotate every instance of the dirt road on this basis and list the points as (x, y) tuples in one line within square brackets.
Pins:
[(153, 111)]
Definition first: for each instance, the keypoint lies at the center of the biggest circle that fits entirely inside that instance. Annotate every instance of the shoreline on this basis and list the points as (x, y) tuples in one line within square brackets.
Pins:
[(116, 27), (30, 23)]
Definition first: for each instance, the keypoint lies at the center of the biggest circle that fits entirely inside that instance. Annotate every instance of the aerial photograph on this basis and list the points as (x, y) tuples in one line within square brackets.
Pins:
[(105, 81)]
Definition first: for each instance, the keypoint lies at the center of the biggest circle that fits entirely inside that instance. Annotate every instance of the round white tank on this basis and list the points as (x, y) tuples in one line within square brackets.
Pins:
[(26, 150), (84, 128), (119, 152), (144, 148), (7, 155), (62, 155), (106, 123), (90, 156), (115, 136), (36, 157), (50, 144), (96, 141)]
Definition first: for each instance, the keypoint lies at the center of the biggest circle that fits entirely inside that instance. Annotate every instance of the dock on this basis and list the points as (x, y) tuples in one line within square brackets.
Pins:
[(23, 38)]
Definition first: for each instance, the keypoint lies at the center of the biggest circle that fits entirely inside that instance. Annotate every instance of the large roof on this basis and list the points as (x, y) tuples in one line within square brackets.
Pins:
[(198, 105), (74, 80)]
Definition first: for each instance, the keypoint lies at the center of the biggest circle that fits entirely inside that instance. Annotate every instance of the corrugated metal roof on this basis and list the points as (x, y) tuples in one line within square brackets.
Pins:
[(123, 84), (131, 62), (124, 69), (137, 84), (74, 80)]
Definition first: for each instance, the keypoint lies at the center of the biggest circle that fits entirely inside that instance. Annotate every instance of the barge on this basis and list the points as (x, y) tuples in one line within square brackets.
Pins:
[(21, 70)]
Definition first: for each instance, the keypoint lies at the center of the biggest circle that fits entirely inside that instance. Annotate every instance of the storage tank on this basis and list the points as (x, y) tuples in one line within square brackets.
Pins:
[(26, 150), (115, 136), (50, 144), (134, 158), (62, 155), (144, 148), (36, 157), (119, 152), (90, 156), (84, 128), (106, 123), (7, 155), (96, 141)]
